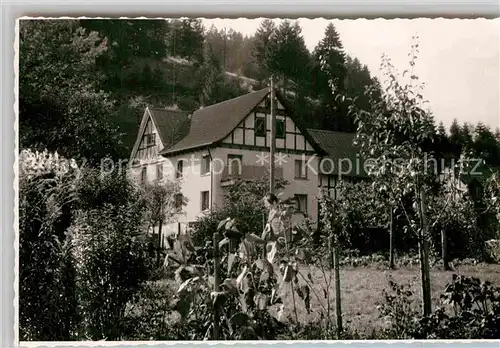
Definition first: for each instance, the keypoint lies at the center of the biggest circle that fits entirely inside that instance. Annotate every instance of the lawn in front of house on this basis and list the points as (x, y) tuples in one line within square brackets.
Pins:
[(362, 291)]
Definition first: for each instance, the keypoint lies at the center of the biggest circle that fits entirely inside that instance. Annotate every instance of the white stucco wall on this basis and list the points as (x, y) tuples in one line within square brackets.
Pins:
[(307, 186), (192, 182)]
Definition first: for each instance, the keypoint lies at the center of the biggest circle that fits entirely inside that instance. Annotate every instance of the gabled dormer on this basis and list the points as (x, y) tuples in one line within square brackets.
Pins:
[(159, 129)]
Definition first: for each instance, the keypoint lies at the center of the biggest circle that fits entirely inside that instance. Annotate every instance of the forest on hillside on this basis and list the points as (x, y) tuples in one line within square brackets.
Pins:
[(84, 84), (117, 67)]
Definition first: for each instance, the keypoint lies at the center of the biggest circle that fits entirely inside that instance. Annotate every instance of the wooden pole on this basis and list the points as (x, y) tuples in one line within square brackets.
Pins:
[(391, 239), (159, 244), (159, 234), (216, 283), (444, 251), (338, 305), (424, 256), (272, 141)]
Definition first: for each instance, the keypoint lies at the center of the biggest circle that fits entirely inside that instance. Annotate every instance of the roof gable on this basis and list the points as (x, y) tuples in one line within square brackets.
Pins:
[(215, 122), (171, 126)]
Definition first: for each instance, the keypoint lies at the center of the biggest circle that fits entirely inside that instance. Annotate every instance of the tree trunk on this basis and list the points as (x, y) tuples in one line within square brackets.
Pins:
[(423, 247), (338, 305), (216, 283), (391, 240), (331, 264), (444, 251), (158, 253)]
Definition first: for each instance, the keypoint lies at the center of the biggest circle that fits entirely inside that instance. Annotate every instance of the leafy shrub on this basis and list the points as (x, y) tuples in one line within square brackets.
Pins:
[(111, 262), (243, 202), (47, 307), (399, 311), (475, 312), (470, 309), (149, 314), (96, 189)]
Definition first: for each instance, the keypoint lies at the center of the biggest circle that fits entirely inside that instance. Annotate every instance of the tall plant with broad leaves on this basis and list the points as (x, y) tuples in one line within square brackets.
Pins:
[(257, 271)]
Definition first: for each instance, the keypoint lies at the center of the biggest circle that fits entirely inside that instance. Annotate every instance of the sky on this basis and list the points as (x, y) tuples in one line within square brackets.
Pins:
[(459, 59)]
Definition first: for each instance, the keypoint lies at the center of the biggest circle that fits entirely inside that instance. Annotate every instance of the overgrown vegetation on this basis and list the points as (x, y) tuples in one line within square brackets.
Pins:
[(94, 272), (83, 248), (246, 271)]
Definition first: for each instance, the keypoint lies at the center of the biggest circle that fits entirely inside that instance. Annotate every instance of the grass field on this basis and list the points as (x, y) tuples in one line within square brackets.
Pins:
[(361, 290)]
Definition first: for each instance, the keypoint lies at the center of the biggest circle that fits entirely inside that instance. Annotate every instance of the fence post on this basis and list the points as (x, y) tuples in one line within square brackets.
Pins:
[(338, 300), (158, 254), (424, 256), (391, 239), (216, 282)]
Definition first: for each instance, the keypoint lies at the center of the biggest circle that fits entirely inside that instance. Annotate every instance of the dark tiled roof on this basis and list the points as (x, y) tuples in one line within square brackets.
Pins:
[(172, 125), (341, 150), (215, 122)]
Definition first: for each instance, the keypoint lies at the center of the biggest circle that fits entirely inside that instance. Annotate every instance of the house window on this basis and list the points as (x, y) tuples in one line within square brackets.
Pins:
[(159, 171), (149, 139), (260, 126), (300, 169), (178, 201), (144, 174), (301, 203), (205, 200), (180, 168), (205, 165), (234, 164), (280, 129)]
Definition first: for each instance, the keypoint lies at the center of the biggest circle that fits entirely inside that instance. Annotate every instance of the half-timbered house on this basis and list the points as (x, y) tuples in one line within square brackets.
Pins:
[(207, 150)]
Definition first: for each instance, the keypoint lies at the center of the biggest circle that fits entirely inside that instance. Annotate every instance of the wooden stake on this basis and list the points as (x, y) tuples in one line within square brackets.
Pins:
[(216, 283), (338, 305), (444, 251), (391, 239), (424, 257), (159, 244), (272, 141)]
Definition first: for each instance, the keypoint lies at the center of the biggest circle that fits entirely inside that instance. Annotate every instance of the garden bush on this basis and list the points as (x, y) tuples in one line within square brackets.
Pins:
[(82, 248), (47, 306), (150, 314), (469, 309), (111, 260), (243, 202)]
